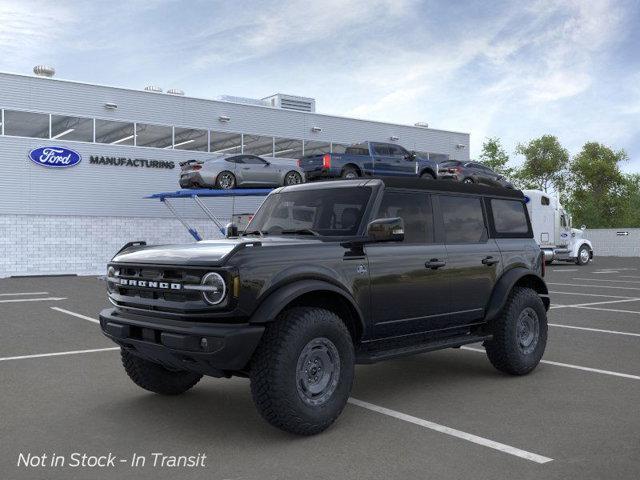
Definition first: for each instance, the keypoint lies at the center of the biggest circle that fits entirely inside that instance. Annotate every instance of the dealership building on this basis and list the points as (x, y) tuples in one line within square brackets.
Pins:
[(129, 144)]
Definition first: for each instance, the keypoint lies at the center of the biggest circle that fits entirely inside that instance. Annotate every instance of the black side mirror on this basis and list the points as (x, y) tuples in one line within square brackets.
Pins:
[(231, 230), (386, 230)]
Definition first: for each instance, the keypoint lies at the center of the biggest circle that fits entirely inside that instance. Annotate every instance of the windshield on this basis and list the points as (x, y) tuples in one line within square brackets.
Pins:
[(328, 212)]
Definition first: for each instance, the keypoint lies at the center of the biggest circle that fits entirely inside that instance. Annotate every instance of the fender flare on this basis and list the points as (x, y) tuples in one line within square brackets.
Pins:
[(505, 284), (428, 169), (273, 304), (580, 243)]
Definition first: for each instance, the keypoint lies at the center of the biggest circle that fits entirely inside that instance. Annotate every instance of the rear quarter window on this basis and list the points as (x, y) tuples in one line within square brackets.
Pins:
[(463, 219), (509, 218)]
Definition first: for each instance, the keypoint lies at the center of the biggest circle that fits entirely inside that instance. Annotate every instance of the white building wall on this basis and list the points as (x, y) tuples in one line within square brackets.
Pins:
[(612, 242)]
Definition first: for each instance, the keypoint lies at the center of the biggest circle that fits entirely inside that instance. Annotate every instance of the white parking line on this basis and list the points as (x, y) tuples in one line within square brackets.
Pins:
[(606, 280), (590, 294), (609, 310), (568, 365), (592, 286), (15, 300), (606, 271), (485, 442), (563, 270), (23, 293), (597, 330), (84, 317), (628, 276), (57, 354), (632, 299)]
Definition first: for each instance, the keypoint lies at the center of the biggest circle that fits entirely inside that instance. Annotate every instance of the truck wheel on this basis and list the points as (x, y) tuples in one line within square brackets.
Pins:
[(583, 255), (428, 176), (292, 178), (302, 370), (468, 180), (349, 173), (155, 378), (519, 334)]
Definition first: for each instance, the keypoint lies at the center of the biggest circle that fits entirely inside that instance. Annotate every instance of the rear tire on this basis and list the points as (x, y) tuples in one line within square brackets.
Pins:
[(584, 255), (428, 176), (519, 333), (349, 173), (468, 180), (155, 378), (225, 180), (302, 370), (292, 178)]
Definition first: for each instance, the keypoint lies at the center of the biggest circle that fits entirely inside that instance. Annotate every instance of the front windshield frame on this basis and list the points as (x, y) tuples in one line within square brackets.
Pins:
[(279, 200)]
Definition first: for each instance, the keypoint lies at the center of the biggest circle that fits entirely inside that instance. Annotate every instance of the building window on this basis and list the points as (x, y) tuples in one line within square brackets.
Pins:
[(26, 124), (338, 147), (312, 147), (114, 133), (258, 145), (226, 143), (190, 139), (157, 136), (287, 148), (72, 128)]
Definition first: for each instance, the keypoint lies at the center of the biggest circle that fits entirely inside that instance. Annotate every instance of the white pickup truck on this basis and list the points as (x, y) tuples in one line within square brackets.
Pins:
[(552, 230)]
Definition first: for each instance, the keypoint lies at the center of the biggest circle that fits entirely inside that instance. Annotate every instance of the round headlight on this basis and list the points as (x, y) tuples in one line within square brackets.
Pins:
[(111, 272), (216, 288)]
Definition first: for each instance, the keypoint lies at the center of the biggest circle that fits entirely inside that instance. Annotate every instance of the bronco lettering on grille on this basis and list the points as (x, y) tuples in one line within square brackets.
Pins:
[(149, 284)]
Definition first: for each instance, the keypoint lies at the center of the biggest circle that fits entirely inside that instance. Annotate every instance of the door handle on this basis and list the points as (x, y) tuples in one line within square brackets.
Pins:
[(434, 264), (489, 260)]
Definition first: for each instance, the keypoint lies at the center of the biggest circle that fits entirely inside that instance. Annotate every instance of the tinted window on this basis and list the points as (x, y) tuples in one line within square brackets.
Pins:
[(463, 219), (331, 212), (414, 209), (253, 160), (234, 160), (381, 149), (360, 149), (397, 151), (450, 163), (509, 216), (26, 124), (544, 200)]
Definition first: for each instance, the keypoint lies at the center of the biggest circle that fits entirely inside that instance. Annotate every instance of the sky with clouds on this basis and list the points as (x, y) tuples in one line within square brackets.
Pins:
[(515, 70)]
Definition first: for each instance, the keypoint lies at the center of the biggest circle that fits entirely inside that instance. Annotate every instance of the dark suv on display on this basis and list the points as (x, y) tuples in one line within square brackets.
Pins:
[(328, 275)]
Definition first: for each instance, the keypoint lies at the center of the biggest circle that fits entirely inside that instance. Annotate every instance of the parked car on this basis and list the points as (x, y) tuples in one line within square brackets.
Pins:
[(327, 275), (231, 171), (471, 172), (366, 160)]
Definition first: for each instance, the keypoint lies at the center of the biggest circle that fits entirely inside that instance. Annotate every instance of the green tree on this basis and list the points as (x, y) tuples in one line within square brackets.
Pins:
[(495, 157), (599, 191), (545, 164), (631, 209)]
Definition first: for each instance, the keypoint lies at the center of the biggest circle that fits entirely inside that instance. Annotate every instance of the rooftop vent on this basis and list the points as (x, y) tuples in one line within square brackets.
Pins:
[(422, 124), (292, 102), (175, 91), (44, 71), (153, 88)]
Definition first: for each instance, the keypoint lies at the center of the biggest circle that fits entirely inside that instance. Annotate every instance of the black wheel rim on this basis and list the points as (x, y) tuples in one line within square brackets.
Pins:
[(468, 180), (317, 371), (293, 178), (226, 181), (528, 330)]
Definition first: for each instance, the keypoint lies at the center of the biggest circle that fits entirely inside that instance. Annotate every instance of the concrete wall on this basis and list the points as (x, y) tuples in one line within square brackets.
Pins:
[(609, 242)]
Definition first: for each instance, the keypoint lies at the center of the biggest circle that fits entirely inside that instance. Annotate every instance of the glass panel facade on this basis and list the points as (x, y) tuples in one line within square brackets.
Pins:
[(316, 148), (224, 142), (115, 133), (258, 145), (26, 124), (72, 128), (191, 139), (288, 148), (158, 136)]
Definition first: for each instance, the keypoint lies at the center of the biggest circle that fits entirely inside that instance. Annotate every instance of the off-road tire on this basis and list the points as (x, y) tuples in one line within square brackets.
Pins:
[(349, 173), (579, 260), (504, 350), (155, 378), (274, 370), (428, 176)]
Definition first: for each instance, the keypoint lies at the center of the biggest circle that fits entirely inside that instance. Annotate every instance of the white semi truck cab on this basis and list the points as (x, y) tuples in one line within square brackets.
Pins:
[(553, 232)]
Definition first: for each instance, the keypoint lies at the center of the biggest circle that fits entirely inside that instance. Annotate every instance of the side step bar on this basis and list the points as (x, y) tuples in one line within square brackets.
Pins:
[(373, 356)]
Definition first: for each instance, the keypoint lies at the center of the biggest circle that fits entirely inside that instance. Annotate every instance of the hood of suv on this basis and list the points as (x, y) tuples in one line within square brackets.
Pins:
[(206, 252)]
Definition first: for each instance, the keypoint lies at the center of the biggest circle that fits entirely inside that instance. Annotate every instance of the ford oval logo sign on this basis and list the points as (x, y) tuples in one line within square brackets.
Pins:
[(55, 157)]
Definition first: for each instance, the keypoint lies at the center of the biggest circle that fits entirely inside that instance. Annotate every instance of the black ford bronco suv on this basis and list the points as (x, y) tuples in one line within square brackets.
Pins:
[(326, 276)]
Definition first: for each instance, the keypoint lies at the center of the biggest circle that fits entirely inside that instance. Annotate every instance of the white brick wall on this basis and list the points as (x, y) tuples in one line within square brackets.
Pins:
[(607, 243), (46, 245)]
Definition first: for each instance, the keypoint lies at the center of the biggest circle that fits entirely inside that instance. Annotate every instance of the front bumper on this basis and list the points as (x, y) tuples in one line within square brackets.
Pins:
[(206, 348)]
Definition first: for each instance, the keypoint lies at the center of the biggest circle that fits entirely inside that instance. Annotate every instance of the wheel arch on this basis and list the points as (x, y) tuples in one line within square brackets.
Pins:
[(313, 293), (354, 166), (428, 170), (516, 277)]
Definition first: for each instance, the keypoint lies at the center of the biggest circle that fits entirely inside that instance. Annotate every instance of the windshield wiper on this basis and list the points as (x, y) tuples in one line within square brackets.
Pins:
[(301, 231)]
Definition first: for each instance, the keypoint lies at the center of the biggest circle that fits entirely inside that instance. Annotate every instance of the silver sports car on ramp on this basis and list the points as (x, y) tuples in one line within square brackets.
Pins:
[(240, 170)]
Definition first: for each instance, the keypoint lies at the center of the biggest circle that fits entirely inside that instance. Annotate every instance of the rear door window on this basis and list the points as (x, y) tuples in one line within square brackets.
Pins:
[(509, 217), (463, 219), (380, 149), (416, 212)]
